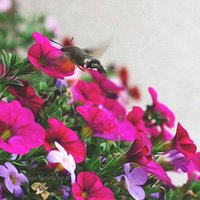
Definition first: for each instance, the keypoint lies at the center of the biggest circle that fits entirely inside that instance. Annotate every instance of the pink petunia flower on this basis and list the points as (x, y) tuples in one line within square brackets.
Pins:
[(62, 157), (110, 89), (66, 137), (193, 168), (134, 179), (48, 58), (135, 116), (26, 96), (19, 133), (166, 115), (140, 151), (103, 123), (13, 179), (89, 186), (157, 170), (87, 93), (114, 106), (182, 142)]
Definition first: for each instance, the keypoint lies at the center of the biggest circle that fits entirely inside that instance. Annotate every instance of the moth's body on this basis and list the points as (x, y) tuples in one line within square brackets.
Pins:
[(81, 58)]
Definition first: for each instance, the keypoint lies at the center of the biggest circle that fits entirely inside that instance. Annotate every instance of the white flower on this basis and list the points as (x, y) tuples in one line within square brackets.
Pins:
[(65, 159)]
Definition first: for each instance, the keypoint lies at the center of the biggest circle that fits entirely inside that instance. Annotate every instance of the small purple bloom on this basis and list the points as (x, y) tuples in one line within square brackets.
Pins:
[(65, 192), (155, 195), (134, 179), (13, 179)]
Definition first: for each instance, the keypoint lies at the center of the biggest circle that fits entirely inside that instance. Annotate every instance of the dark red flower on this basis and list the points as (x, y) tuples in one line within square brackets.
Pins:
[(182, 142), (67, 138), (140, 151), (89, 186), (26, 96)]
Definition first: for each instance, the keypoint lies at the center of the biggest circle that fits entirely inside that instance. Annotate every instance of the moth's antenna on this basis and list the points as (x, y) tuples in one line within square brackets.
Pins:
[(56, 42)]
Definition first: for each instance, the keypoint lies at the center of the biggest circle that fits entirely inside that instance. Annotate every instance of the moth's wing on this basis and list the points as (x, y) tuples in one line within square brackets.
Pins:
[(96, 52)]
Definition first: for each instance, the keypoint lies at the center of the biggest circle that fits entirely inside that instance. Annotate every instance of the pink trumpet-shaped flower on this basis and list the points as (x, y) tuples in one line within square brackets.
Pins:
[(19, 133), (27, 96), (89, 187), (158, 171), (87, 93), (13, 179), (157, 107), (48, 58), (140, 151), (182, 142), (58, 132), (105, 124)]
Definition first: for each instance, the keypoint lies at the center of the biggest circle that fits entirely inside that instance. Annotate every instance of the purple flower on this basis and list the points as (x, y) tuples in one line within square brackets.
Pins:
[(13, 179), (134, 179)]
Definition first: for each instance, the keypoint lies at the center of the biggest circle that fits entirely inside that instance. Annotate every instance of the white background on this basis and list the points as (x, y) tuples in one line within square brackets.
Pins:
[(158, 40)]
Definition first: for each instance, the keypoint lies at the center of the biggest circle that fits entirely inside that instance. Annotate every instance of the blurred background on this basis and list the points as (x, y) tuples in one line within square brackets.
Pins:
[(159, 42)]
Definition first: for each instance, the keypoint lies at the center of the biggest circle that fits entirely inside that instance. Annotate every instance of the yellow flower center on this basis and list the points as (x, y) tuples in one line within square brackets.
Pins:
[(6, 135), (13, 179), (85, 195)]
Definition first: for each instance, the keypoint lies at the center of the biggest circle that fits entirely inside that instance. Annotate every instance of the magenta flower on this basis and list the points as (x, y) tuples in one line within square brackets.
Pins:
[(158, 171), (193, 168), (87, 93), (48, 58), (105, 124), (182, 142), (58, 132), (114, 106), (140, 151), (19, 133), (109, 88), (134, 179), (89, 186), (26, 96), (166, 114), (135, 116), (12, 179)]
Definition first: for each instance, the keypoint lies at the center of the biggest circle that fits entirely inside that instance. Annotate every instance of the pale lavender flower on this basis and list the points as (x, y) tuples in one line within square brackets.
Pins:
[(134, 179), (5, 5), (12, 179)]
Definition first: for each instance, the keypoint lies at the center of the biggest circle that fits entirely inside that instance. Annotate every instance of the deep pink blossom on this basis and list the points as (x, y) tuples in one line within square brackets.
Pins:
[(114, 106), (136, 118), (167, 116), (26, 96), (90, 187), (109, 88), (87, 93), (67, 138), (105, 124), (193, 168), (19, 133), (140, 151), (48, 58), (182, 142), (157, 170)]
